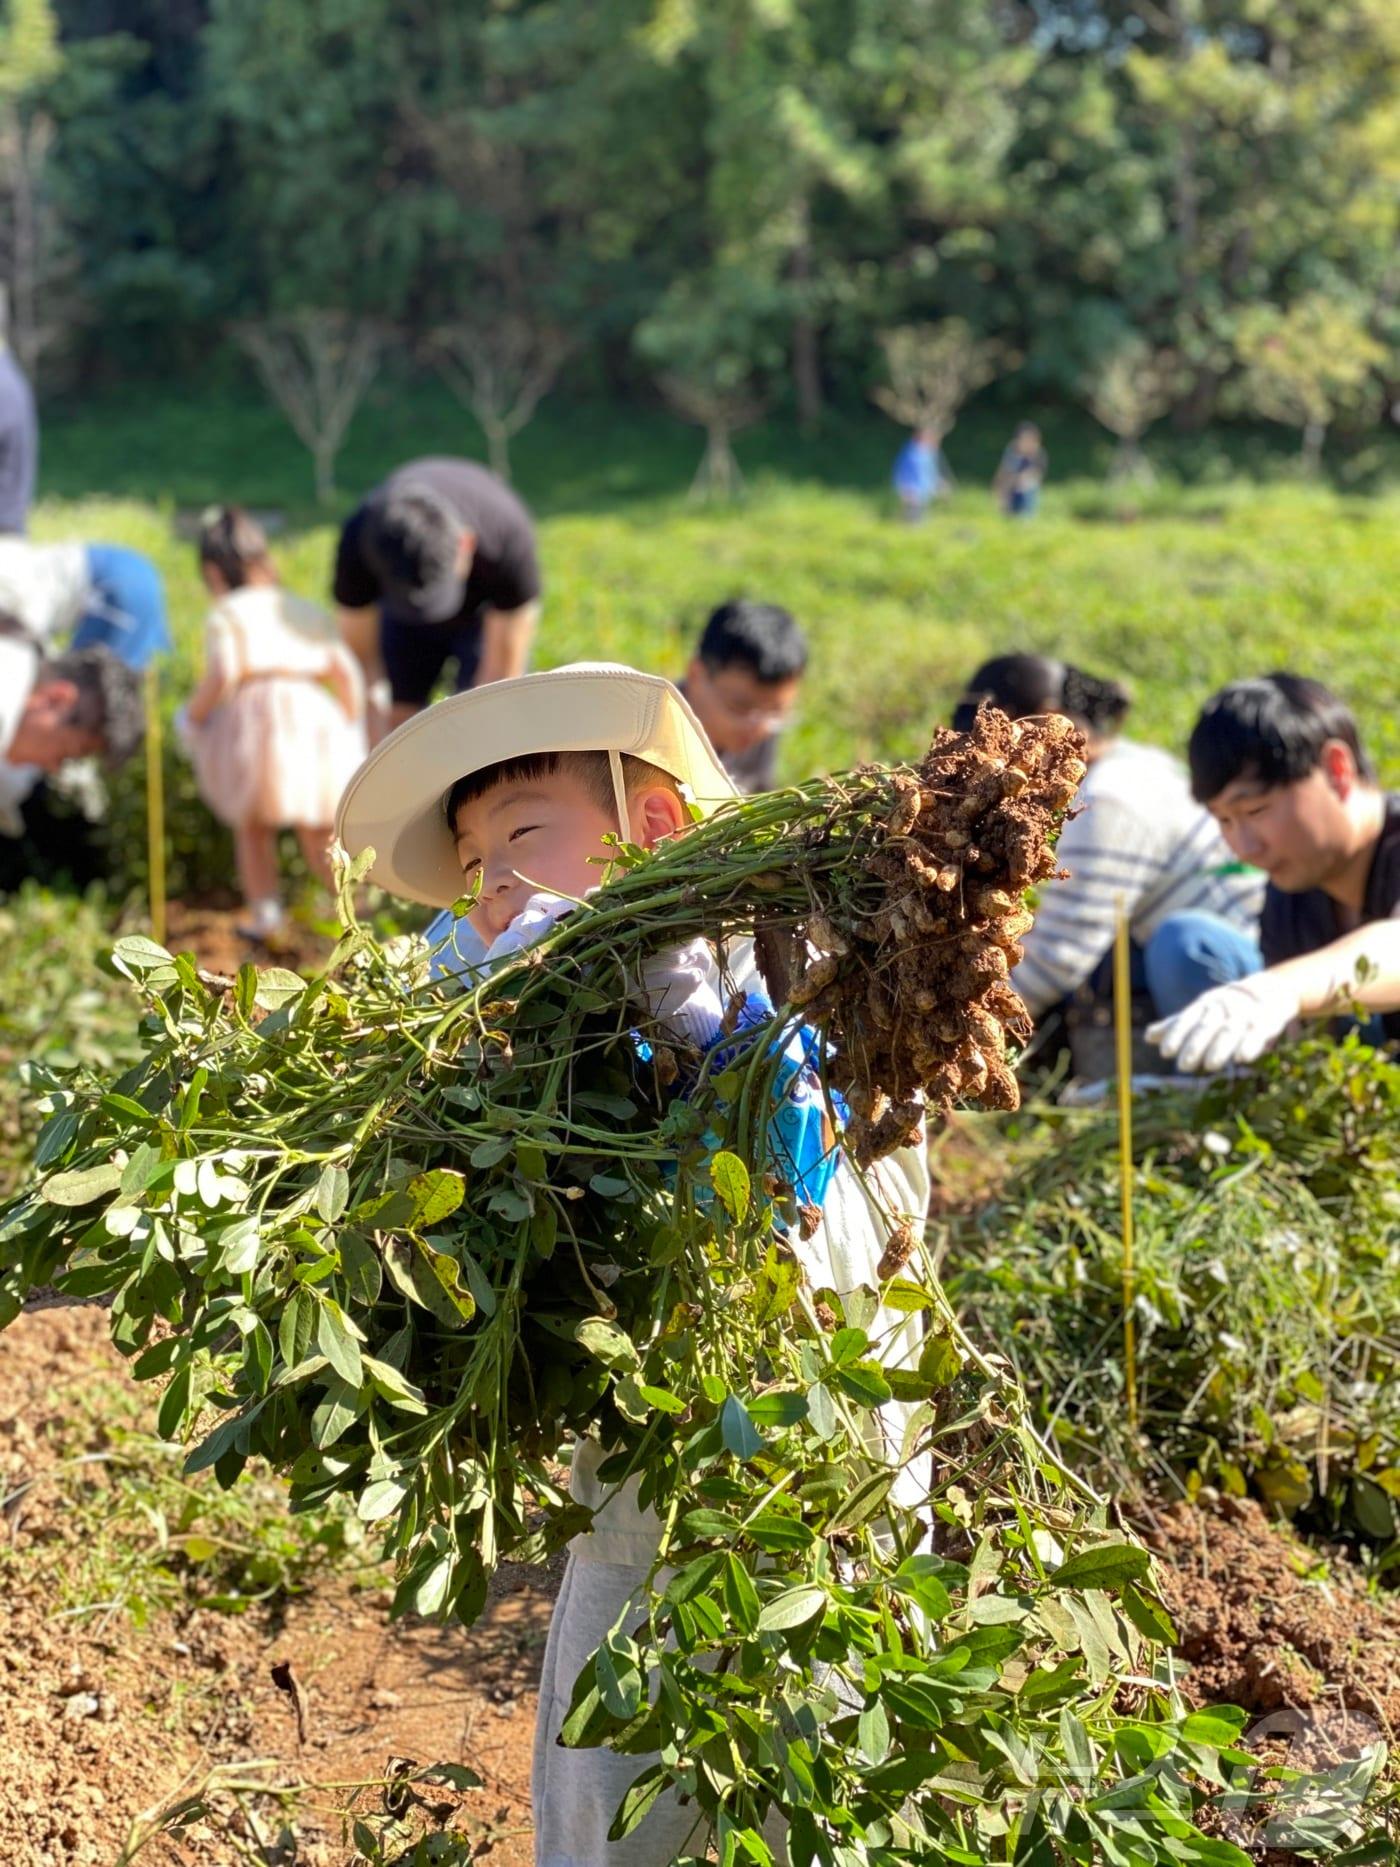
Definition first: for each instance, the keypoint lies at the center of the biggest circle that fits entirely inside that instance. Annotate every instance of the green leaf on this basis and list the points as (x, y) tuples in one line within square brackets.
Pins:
[(1109, 1566), (1218, 1726), (864, 1382), (740, 1435), (277, 987), (238, 1247), (662, 1399), (81, 1187), (740, 1595), (873, 1733), (337, 1344), (296, 1328), (776, 1532), (430, 1587), (777, 1408), (701, 1525), (140, 954), (436, 1196), (607, 1343), (174, 1403), (332, 1193), (848, 1345), (1148, 1615), (731, 1182), (380, 1499), (794, 1607), (530, 1161), (637, 1804), (617, 1669)]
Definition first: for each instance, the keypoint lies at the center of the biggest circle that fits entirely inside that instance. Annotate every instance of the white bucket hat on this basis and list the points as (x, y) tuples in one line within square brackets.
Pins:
[(394, 802)]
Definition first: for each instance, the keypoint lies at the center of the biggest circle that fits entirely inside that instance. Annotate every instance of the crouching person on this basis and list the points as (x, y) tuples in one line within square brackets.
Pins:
[(1280, 766), (513, 791)]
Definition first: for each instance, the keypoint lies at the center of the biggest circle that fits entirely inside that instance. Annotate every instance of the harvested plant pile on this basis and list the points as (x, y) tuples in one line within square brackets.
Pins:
[(406, 1243), (1268, 1279)]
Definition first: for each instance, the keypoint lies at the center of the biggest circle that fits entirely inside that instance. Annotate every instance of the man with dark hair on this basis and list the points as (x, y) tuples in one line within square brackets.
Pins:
[(1279, 764), (438, 565), (743, 682), (84, 704)]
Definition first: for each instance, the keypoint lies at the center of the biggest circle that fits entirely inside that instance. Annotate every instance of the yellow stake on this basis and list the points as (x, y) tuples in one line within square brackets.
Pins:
[(1123, 1032), (155, 806)]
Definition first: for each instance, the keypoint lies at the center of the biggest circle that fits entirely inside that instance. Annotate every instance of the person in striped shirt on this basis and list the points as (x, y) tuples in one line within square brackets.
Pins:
[(1137, 840)]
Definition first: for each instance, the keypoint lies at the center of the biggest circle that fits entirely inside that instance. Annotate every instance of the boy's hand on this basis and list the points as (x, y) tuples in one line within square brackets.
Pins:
[(532, 923), (679, 991)]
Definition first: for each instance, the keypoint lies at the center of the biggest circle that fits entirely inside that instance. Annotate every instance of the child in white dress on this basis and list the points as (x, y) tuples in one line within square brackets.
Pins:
[(276, 725)]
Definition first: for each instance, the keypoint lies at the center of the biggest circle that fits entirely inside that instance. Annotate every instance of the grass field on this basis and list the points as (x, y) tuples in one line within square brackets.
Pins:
[(1217, 575)]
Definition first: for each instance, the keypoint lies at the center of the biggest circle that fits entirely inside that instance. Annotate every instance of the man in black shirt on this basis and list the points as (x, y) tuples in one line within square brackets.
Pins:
[(743, 682), (438, 564), (19, 444), (1279, 763)]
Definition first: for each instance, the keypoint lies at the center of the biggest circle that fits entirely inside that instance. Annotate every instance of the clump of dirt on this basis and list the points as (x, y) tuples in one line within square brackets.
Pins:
[(102, 1721), (917, 995), (1266, 1625)]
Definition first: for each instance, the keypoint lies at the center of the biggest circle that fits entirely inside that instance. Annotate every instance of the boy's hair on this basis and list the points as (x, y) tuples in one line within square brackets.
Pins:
[(232, 541), (1022, 685), (590, 769), (416, 538), (761, 637), (1269, 730), (109, 701)]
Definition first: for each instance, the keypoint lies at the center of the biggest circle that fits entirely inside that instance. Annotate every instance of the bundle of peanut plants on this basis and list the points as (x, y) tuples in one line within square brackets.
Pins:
[(405, 1244)]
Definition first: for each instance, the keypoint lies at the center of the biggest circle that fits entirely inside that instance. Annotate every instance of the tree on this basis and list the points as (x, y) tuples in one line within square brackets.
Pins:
[(1305, 365), (716, 342), (933, 369), (1134, 386), (499, 367), (317, 366), (29, 60)]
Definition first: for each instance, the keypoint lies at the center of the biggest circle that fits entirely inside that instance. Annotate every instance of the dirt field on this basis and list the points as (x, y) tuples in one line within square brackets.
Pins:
[(103, 1722)]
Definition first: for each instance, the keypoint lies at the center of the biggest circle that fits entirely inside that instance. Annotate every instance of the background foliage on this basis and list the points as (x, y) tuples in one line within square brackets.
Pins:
[(747, 189)]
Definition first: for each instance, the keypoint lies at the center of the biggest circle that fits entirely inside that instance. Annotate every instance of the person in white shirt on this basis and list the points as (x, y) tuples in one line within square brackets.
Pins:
[(1137, 841)]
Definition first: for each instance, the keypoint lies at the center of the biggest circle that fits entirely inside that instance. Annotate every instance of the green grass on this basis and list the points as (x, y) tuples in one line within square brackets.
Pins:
[(1211, 581)]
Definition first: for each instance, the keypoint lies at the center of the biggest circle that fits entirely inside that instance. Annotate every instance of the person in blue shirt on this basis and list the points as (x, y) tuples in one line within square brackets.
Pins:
[(921, 474)]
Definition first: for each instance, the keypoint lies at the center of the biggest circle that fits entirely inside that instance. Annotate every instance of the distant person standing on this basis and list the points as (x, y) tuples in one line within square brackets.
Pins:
[(438, 565), (19, 444), (743, 682), (921, 474), (1022, 472)]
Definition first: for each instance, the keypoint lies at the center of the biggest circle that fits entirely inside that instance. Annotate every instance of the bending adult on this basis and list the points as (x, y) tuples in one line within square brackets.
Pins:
[(1138, 839), (83, 704), (438, 565), (19, 444), (1278, 761), (91, 595)]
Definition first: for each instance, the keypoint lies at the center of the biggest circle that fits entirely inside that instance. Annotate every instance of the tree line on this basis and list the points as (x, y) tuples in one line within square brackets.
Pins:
[(1150, 205)]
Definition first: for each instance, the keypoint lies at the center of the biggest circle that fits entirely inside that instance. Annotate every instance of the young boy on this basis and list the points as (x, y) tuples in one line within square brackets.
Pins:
[(1279, 764), (743, 682), (514, 787)]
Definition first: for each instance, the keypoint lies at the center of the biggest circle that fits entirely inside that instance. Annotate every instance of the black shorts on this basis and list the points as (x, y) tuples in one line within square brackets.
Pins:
[(415, 653)]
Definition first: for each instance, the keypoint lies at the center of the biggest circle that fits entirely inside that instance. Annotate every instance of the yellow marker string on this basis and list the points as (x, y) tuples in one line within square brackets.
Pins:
[(155, 806), (1123, 1033)]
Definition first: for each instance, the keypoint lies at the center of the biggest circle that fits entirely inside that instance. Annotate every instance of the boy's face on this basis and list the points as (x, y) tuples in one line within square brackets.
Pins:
[(546, 835), (1299, 834), (737, 710)]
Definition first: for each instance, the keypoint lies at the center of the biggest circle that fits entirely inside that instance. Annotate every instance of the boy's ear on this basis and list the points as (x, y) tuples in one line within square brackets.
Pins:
[(656, 815), (1339, 768)]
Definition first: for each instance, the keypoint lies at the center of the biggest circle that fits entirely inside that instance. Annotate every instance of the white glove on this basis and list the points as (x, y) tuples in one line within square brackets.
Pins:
[(679, 990), (532, 923), (1229, 1024)]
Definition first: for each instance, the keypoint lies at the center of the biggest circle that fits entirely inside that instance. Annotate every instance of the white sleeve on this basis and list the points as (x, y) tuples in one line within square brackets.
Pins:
[(1112, 854)]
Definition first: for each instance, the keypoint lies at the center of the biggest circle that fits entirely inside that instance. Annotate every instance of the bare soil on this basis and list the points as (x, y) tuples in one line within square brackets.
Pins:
[(100, 1721)]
